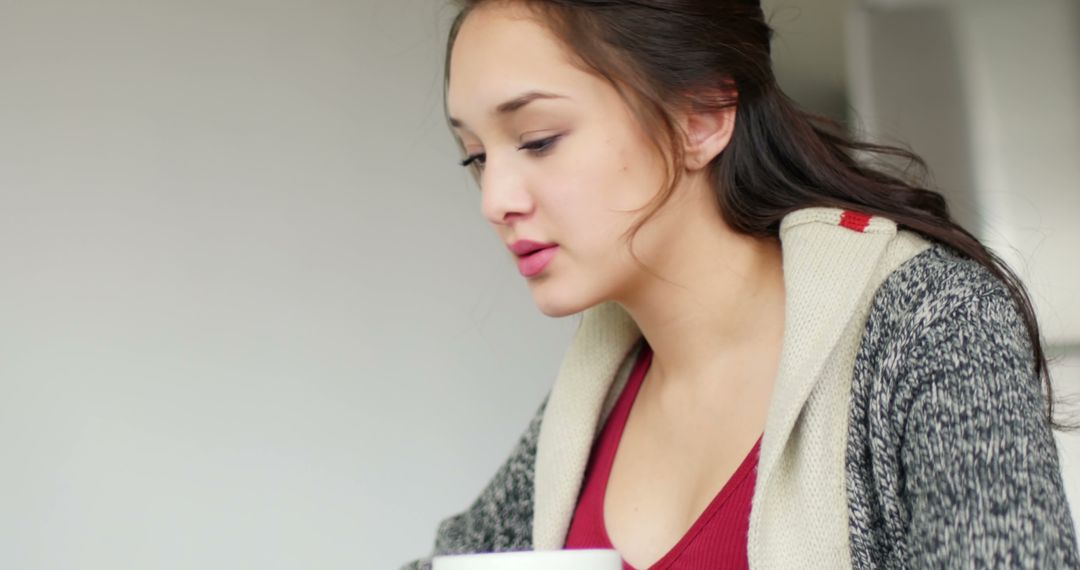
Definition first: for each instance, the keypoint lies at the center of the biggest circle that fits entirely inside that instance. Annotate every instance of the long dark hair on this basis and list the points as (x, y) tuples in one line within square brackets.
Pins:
[(663, 55)]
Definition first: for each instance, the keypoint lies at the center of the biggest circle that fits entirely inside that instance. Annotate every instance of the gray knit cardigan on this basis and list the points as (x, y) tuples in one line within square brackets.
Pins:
[(949, 462)]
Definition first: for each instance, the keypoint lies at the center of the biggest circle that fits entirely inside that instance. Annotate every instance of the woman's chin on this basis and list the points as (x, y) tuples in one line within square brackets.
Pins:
[(555, 307), (556, 312)]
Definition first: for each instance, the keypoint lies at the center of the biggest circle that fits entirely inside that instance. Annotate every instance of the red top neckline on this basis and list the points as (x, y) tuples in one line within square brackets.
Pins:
[(619, 417)]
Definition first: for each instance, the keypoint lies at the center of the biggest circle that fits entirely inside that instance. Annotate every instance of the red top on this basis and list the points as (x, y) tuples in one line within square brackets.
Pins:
[(717, 538)]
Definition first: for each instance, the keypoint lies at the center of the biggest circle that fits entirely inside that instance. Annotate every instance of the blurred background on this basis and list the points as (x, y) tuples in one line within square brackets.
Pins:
[(253, 318)]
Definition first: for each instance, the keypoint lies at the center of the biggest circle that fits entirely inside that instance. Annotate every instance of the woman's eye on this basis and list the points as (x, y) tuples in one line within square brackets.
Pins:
[(538, 148), (541, 146), (478, 158)]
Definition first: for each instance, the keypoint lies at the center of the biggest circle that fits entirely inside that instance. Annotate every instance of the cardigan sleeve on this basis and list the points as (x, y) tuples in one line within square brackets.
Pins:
[(981, 476), (500, 519)]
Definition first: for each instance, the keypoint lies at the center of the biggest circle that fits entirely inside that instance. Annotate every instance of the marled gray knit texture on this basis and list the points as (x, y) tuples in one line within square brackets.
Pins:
[(950, 463)]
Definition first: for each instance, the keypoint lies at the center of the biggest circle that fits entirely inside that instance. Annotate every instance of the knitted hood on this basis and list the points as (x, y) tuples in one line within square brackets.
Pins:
[(833, 262)]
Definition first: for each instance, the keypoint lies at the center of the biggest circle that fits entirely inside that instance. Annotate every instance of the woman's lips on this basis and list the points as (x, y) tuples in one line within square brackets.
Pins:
[(534, 263)]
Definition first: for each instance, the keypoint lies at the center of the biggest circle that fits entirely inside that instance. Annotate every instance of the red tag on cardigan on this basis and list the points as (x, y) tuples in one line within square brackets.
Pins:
[(854, 220)]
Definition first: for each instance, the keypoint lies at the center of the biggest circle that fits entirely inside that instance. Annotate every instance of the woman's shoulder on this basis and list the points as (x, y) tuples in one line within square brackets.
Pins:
[(947, 423), (940, 287), (940, 275), (944, 321)]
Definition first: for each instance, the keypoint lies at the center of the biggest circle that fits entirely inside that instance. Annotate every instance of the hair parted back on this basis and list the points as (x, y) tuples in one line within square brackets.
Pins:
[(663, 56)]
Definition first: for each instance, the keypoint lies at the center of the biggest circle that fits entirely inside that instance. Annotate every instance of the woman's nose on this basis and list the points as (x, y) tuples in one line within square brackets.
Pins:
[(503, 196)]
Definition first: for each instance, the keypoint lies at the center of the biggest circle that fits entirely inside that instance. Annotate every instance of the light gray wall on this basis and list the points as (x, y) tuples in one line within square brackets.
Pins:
[(988, 92), (252, 315), (809, 52)]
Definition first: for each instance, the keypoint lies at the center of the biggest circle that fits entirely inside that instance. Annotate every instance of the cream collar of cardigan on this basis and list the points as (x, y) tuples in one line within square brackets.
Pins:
[(833, 262)]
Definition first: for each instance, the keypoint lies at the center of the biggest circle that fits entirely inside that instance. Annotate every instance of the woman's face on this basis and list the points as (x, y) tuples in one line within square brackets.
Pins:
[(568, 170)]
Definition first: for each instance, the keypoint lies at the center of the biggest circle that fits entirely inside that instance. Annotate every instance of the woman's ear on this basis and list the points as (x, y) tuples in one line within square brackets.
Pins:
[(707, 134)]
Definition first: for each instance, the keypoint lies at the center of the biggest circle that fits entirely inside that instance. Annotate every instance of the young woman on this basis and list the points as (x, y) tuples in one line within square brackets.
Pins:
[(791, 359)]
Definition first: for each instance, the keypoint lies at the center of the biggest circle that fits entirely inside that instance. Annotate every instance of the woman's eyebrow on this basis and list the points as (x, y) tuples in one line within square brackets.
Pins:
[(515, 104)]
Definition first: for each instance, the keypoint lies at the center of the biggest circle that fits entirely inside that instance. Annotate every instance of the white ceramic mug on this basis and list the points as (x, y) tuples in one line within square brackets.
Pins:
[(584, 559)]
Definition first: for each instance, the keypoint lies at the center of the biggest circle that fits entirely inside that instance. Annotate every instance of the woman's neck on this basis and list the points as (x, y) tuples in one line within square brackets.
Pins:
[(724, 312)]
